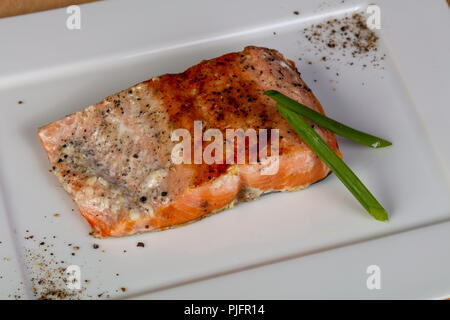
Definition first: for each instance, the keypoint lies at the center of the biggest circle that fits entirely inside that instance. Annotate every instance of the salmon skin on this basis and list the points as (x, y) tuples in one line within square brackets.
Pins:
[(114, 157)]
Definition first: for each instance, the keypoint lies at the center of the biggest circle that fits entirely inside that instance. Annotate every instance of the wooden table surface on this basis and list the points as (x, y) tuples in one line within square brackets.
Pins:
[(10, 8)]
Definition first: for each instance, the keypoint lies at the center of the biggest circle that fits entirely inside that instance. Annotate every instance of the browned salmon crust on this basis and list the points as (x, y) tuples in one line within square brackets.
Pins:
[(114, 157)]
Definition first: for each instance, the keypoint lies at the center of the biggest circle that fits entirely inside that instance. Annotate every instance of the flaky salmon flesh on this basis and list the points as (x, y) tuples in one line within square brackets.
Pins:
[(114, 157)]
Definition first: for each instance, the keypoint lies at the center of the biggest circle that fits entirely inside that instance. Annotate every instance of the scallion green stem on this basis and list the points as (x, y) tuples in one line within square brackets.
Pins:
[(328, 123), (332, 160)]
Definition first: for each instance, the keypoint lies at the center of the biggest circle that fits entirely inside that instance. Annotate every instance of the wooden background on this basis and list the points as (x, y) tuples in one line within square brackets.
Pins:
[(16, 7), (10, 8)]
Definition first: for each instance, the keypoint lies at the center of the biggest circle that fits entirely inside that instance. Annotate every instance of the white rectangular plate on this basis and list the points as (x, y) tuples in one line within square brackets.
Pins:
[(310, 237)]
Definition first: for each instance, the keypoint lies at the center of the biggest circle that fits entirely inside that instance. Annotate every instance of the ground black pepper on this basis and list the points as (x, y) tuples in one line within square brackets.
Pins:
[(140, 244), (346, 37)]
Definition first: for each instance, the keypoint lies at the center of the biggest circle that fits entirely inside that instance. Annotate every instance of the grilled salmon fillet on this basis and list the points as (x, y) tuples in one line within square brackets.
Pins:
[(114, 157)]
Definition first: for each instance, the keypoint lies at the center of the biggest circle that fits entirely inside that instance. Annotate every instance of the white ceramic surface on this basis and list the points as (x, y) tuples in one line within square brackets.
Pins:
[(319, 238)]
